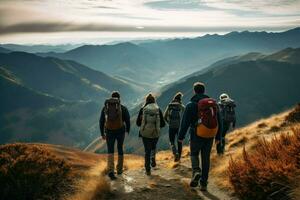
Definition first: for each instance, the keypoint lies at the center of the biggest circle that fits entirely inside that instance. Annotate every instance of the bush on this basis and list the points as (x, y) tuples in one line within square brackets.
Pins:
[(294, 116), (272, 167), (32, 172)]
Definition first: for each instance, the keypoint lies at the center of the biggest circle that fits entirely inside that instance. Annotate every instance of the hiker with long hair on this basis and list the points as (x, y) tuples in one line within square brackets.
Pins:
[(114, 123), (150, 120), (227, 110), (172, 116), (202, 118)]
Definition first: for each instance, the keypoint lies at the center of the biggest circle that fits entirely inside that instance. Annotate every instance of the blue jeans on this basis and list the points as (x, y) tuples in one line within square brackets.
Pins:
[(201, 145)]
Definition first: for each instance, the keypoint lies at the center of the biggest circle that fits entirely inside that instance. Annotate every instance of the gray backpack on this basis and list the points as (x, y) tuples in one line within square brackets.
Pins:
[(174, 115), (150, 127)]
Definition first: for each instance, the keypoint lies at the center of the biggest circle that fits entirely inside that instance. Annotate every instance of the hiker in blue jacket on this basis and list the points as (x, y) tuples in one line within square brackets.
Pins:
[(198, 144)]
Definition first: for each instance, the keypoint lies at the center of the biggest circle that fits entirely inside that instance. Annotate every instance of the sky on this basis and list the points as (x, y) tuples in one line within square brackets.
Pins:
[(101, 21)]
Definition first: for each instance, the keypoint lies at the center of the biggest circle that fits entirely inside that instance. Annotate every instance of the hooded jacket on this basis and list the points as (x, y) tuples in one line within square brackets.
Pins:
[(190, 118)]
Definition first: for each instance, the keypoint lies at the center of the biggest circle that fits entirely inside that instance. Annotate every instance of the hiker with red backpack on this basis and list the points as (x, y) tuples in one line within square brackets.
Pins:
[(227, 110), (114, 123), (172, 116), (150, 120), (202, 118)]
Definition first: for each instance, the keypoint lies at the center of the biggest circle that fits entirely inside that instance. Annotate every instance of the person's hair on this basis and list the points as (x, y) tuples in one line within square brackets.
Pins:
[(178, 97), (115, 94), (149, 99), (199, 88)]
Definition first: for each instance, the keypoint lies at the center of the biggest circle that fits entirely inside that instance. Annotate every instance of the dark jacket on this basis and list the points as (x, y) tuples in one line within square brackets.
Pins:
[(140, 117), (125, 117), (190, 118)]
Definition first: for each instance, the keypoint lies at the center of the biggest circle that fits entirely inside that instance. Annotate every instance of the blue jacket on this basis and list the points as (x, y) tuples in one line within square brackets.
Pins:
[(190, 118)]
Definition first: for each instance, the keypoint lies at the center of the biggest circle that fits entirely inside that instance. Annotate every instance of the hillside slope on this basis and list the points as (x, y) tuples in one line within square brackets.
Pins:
[(64, 79), (256, 85)]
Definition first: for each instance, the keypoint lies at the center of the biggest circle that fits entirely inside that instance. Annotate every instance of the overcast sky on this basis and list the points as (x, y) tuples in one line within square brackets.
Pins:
[(77, 21)]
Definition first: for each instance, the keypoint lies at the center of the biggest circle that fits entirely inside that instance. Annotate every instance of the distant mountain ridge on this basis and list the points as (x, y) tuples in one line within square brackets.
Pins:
[(65, 79), (151, 60)]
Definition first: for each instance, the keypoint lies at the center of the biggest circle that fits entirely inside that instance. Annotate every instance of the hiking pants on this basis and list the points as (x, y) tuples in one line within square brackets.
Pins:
[(173, 133), (150, 151), (111, 139), (201, 146), (221, 145)]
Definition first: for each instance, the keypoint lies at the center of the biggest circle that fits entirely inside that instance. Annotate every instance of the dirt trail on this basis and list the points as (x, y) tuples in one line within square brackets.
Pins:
[(168, 181)]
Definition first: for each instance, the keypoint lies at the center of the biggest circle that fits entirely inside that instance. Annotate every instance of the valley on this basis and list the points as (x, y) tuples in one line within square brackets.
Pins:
[(63, 92)]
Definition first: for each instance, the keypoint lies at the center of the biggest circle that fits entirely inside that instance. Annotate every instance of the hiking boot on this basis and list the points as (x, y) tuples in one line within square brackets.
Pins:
[(112, 176), (148, 172), (195, 180), (153, 162), (203, 188), (120, 165), (176, 158)]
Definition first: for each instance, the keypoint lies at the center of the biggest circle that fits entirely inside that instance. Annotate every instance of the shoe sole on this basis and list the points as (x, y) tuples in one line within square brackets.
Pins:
[(195, 181)]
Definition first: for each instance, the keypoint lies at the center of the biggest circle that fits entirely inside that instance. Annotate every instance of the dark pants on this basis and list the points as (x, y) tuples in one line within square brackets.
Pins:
[(150, 150), (203, 146), (111, 139), (173, 133), (221, 145)]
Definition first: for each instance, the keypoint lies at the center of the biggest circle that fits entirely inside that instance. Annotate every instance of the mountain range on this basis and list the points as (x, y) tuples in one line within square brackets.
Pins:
[(153, 60), (56, 97), (261, 85), (53, 100)]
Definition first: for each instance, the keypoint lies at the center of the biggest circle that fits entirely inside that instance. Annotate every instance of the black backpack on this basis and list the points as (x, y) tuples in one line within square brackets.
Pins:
[(174, 115), (228, 111)]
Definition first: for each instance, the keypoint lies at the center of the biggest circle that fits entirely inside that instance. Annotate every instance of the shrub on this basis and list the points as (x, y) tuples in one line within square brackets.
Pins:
[(294, 116), (271, 167), (32, 172)]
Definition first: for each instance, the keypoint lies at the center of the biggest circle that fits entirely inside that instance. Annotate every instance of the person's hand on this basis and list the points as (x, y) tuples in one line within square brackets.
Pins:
[(217, 141), (103, 137)]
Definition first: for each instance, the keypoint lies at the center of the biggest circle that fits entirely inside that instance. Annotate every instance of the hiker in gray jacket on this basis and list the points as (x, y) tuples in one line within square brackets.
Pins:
[(150, 120), (172, 116)]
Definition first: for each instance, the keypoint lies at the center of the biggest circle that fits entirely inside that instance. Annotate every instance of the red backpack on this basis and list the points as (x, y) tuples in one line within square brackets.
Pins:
[(207, 125)]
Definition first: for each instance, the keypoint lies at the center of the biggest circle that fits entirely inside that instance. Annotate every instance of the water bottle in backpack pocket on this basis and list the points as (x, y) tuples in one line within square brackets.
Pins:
[(207, 124)]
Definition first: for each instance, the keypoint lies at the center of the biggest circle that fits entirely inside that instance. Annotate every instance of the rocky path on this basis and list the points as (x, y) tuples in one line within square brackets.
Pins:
[(169, 180)]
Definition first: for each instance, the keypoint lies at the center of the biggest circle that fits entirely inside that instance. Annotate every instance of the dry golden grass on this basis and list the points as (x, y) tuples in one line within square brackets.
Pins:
[(272, 162), (94, 185), (33, 172), (248, 137)]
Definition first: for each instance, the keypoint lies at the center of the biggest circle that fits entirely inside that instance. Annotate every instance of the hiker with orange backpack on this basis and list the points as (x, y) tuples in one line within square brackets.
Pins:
[(150, 120), (202, 118), (172, 116), (114, 123)]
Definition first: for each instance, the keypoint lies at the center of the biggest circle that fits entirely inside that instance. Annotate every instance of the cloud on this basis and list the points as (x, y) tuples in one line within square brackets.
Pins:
[(54, 16)]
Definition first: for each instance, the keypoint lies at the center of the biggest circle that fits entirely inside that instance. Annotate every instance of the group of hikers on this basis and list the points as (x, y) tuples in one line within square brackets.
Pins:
[(206, 119)]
